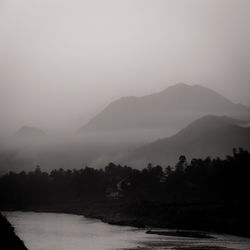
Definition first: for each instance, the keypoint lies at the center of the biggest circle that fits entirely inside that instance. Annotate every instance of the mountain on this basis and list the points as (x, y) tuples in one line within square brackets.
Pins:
[(208, 136), (26, 131), (163, 113)]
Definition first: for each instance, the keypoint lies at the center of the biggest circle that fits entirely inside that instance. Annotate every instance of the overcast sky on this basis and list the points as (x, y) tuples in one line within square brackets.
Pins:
[(61, 61)]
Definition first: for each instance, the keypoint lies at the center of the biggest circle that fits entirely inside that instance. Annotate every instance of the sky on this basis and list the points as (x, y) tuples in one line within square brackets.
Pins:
[(63, 61)]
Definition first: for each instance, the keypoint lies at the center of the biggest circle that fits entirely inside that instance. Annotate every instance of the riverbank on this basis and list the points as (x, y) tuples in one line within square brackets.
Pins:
[(9, 240), (207, 194), (217, 218), (60, 231)]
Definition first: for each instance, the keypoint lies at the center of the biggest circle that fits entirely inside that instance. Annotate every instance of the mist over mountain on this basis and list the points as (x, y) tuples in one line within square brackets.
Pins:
[(210, 135), (128, 124), (27, 131), (164, 113), (134, 112)]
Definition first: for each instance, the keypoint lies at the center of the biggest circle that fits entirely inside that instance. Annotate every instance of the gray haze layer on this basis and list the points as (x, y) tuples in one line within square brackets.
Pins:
[(61, 62), (129, 123)]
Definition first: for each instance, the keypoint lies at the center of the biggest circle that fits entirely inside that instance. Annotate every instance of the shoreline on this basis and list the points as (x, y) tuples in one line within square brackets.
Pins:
[(158, 231), (122, 220), (141, 240), (9, 238)]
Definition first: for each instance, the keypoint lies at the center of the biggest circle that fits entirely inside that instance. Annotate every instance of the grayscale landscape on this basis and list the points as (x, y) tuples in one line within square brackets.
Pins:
[(125, 124)]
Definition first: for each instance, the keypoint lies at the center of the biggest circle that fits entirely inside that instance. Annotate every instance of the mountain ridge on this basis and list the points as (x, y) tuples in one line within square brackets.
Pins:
[(210, 135), (30, 131), (174, 107)]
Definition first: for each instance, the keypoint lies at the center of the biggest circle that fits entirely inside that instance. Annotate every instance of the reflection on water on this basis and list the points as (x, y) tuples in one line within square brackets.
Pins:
[(52, 231)]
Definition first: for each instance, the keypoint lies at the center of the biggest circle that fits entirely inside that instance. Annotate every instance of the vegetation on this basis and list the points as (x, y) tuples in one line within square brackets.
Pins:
[(211, 194)]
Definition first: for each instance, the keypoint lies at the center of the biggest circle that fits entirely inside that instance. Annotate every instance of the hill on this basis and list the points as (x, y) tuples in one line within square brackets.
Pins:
[(165, 112), (209, 135), (30, 131)]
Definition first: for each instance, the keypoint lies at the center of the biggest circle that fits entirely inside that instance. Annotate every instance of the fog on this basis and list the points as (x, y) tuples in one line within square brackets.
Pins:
[(61, 62)]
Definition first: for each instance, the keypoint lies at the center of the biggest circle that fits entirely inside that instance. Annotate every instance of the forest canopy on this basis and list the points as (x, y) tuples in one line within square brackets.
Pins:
[(200, 180)]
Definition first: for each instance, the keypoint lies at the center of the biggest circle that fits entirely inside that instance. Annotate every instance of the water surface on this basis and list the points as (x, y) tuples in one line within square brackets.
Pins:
[(54, 231)]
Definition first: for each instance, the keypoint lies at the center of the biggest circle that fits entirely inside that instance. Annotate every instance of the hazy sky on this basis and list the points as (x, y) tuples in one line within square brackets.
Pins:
[(61, 61)]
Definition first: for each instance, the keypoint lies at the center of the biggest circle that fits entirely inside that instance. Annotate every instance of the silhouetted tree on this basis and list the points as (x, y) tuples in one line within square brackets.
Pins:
[(182, 163)]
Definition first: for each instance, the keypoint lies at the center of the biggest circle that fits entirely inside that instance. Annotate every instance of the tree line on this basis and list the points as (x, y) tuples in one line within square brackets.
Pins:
[(198, 181)]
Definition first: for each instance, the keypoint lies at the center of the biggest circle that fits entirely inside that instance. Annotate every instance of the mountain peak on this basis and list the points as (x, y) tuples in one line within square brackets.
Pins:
[(30, 131), (188, 87), (181, 85), (214, 119), (171, 109), (210, 135), (177, 86), (210, 122)]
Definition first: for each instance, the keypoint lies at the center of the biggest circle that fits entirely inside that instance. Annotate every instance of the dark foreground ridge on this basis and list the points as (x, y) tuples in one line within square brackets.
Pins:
[(203, 194), (9, 240)]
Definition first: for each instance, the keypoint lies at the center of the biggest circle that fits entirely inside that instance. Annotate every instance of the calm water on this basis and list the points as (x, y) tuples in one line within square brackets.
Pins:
[(52, 231)]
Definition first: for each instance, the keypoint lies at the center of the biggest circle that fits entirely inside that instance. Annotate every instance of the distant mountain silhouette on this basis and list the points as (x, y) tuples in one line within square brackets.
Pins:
[(210, 135), (170, 110), (26, 131)]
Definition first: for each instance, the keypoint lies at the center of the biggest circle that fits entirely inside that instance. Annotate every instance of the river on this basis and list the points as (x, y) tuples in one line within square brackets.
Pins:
[(57, 231)]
